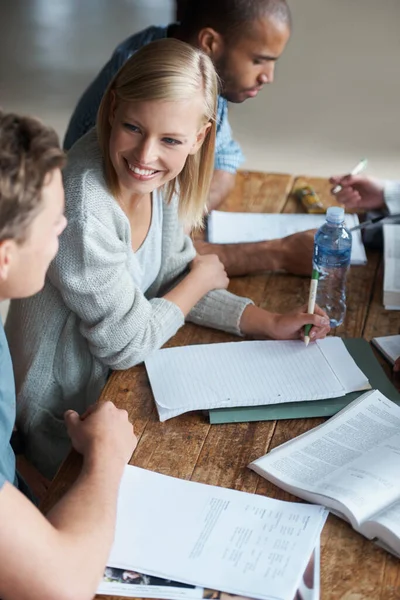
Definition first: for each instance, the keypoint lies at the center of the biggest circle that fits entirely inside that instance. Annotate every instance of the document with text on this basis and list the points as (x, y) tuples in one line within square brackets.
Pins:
[(232, 228), (131, 584), (206, 376), (350, 464), (213, 537)]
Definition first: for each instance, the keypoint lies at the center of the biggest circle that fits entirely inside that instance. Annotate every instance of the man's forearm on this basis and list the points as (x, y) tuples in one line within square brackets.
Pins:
[(245, 258), (85, 519), (292, 254), (64, 555), (222, 184)]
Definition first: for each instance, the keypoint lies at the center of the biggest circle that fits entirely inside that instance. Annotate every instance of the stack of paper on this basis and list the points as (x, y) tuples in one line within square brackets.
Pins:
[(232, 228), (128, 583), (213, 537), (250, 374), (391, 282)]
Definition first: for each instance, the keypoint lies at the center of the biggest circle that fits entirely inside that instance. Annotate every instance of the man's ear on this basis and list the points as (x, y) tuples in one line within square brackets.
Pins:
[(113, 108), (201, 136), (7, 249), (211, 42)]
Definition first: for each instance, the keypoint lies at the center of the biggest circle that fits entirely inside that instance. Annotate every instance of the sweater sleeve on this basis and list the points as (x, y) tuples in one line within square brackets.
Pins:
[(91, 271), (221, 310)]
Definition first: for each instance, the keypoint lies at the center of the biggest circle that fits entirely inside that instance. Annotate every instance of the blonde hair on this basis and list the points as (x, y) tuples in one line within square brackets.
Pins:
[(168, 69)]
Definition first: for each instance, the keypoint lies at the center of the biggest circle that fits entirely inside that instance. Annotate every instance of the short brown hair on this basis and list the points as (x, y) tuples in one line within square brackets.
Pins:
[(29, 151)]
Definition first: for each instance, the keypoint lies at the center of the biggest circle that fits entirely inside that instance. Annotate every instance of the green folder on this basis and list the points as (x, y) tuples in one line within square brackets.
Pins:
[(363, 355)]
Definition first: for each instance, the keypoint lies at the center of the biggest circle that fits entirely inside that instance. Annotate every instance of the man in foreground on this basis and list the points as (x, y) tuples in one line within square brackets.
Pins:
[(62, 555)]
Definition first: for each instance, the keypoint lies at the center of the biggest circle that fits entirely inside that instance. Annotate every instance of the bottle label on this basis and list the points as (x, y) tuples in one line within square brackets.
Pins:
[(331, 259)]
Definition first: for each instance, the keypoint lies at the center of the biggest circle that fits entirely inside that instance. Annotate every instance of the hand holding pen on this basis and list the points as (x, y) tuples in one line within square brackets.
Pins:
[(359, 192), (311, 303)]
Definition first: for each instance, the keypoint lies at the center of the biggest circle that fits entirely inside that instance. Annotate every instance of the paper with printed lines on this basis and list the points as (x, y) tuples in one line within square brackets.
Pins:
[(254, 373)]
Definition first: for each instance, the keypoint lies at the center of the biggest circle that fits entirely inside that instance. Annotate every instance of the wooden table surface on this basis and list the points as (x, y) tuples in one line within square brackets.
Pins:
[(352, 568)]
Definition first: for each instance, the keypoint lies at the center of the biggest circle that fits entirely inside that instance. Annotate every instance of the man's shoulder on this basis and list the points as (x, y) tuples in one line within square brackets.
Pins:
[(141, 38)]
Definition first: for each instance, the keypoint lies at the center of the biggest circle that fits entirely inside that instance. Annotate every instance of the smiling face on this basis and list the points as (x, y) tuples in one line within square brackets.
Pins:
[(247, 64), (151, 140)]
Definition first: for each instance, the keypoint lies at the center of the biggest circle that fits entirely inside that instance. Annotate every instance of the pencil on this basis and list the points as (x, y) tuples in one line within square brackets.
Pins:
[(357, 169), (311, 303)]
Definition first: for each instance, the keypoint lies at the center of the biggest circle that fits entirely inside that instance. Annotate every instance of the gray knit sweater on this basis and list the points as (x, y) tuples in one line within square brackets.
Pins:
[(91, 317)]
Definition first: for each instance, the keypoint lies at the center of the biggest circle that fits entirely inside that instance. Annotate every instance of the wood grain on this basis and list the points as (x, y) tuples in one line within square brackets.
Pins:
[(188, 447)]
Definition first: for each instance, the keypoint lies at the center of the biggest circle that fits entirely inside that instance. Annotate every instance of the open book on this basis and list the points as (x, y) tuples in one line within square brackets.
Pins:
[(232, 228), (389, 345), (209, 536), (350, 464), (391, 282), (206, 376)]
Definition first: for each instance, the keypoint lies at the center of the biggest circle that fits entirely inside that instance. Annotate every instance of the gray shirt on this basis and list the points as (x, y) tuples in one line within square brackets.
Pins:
[(91, 315)]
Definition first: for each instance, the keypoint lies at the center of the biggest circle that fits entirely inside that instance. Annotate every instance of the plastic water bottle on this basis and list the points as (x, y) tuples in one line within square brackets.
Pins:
[(332, 253)]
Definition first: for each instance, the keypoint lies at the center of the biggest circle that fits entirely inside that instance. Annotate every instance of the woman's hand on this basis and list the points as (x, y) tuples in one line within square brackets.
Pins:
[(209, 272), (290, 326), (206, 273), (260, 323)]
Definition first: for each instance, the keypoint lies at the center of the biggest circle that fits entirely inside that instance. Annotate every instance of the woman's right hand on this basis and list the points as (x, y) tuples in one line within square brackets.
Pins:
[(209, 271)]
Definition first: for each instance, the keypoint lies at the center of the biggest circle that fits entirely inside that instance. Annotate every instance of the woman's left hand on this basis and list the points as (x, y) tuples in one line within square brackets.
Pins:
[(290, 326)]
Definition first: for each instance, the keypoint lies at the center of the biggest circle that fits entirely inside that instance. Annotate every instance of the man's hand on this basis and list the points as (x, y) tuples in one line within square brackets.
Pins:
[(103, 428), (297, 252), (359, 192)]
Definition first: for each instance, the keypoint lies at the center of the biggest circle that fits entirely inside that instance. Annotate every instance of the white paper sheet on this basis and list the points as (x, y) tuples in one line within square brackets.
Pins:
[(213, 537), (391, 282), (130, 584), (250, 374), (232, 228)]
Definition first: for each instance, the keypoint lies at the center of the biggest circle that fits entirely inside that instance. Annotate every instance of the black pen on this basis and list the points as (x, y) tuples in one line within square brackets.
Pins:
[(374, 220)]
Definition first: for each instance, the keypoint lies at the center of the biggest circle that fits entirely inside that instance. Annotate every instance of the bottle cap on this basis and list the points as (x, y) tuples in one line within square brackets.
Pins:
[(335, 214)]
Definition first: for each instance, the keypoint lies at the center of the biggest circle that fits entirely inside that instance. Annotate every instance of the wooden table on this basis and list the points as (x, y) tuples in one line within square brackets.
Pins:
[(352, 568)]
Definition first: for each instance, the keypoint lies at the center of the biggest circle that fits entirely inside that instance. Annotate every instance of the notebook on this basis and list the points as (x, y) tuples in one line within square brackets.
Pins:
[(391, 281), (364, 357), (250, 373), (230, 228)]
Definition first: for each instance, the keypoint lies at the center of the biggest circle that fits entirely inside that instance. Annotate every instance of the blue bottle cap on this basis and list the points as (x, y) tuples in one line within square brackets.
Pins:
[(335, 214)]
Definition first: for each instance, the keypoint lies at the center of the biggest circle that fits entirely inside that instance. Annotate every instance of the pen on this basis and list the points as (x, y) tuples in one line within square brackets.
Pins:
[(357, 169), (311, 303), (365, 224)]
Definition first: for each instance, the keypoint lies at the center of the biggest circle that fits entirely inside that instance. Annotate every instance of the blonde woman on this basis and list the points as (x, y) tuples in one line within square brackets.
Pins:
[(126, 276)]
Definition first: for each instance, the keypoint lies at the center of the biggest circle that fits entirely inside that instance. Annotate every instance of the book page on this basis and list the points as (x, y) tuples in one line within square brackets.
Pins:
[(389, 345), (233, 228), (213, 537), (352, 458), (391, 282), (256, 373)]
